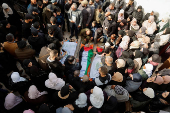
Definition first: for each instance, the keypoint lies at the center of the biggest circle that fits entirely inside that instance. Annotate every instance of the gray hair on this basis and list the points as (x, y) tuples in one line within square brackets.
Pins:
[(75, 5), (109, 59)]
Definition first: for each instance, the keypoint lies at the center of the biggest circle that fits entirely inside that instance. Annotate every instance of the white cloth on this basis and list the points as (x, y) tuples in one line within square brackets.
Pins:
[(119, 15), (83, 63), (135, 27), (96, 64), (161, 24), (53, 82), (33, 92), (148, 70), (70, 47), (164, 39), (16, 77), (5, 6), (97, 97), (139, 60), (82, 100)]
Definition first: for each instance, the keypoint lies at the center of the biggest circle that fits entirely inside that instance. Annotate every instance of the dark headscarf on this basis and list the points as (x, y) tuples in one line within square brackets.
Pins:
[(44, 109), (64, 90), (124, 21), (4, 23), (130, 63), (130, 17), (167, 31), (131, 33), (125, 55), (138, 54), (110, 105), (139, 7), (137, 77), (145, 51), (156, 58), (122, 33), (26, 62), (21, 44), (34, 71), (93, 110)]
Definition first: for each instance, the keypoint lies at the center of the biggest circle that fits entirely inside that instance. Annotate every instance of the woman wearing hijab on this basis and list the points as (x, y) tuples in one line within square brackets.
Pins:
[(161, 101), (14, 104), (110, 106), (120, 63), (123, 25), (18, 83), (141, 32), (140, 99), (163, 24), (44, 108), (133, 82), (137, 60), (150, 25), (117, 79), (134, 26), (130, 66), (80, 105), (65, 96), (120, 15), (27, 64), (123, 46), (121, 34), (131, 35), (146, 71), (154, 82), (34, 96), (54, 82), (96, 97), (117, 91)]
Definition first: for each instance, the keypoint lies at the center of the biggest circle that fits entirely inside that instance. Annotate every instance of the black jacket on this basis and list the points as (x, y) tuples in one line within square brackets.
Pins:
[(57, 32)]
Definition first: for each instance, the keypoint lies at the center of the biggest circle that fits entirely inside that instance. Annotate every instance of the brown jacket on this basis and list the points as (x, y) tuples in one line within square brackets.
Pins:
[(10, 47), (44, 54), (25, 53)]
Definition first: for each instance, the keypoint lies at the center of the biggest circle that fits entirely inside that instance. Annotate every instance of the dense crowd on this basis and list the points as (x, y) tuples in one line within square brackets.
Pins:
[(134, 50)]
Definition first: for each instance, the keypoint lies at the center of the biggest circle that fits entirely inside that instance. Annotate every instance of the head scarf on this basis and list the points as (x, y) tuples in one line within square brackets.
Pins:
[(34, 71), (158, 80), (97, 97), (136, 27), (11, 101), (64, 92), (53, 82), (119, 16), (134, 45), (149, 93), (126, 39), (33, 92), (29, 111), (44, 109), (125, 55), (118, 77), (145, 51), (148, 70), (119, 90), (82, 100), (151, 18), (93, 110), (120, 63), (124, 21), (130, 63), (5, 6), (138, 54), (166, 79), (131, 33), (110, 105), (161, 24), (26, 62), (139, 35), (16, 77), (123, 45)]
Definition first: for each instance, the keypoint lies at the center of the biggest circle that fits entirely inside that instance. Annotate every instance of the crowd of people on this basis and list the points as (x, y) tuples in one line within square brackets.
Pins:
[(133, 77)]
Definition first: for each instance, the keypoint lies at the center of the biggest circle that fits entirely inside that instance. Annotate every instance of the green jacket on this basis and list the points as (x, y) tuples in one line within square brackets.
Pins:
[(84, 36), (143, 74)]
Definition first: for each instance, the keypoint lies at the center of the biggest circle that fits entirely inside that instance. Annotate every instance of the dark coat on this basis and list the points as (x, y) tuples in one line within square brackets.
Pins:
[(57, 32)]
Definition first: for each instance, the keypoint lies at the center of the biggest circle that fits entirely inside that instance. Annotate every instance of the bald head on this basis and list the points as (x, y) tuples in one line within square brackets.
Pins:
[(109, 60), (73, 6), (76, 73)]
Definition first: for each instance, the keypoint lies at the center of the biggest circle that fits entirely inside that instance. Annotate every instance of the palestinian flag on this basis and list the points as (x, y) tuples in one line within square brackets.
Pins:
[(85, 55)]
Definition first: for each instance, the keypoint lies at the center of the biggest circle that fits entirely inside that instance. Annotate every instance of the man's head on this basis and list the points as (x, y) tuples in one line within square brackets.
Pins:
[(70, 1), (97, 1), (45, 1), (110, 17), (139, 8), (76, 73), (50, 31), (35, 11), (10, 37), (109, 60), (34, 32), (58, 11), (74, 7), (93, 23), (53, 54), (50, 8), (111, 6), (84, 3), (33, 2), (103, 71), (131, 2), (88, 32), (28, 17), (71, 60), (40, 4), (91, 2), (54, 2), (36, 25), (21, 44), (112, 37), (152, 13), (53, 20)]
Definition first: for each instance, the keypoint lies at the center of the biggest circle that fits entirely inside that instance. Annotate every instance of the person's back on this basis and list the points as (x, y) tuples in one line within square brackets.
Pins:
[(10, 46), (23, 51)]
